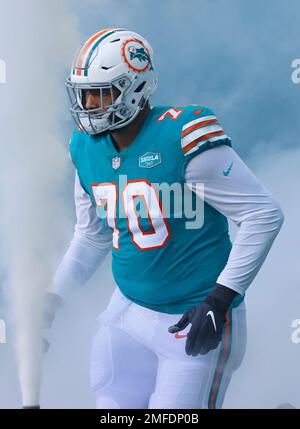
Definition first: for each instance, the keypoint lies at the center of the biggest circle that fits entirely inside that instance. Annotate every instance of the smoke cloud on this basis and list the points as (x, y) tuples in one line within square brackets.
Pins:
[(36, 45)]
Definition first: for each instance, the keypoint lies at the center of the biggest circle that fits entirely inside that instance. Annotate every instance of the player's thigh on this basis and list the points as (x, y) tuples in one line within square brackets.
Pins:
[(180, 384), (122, 371)]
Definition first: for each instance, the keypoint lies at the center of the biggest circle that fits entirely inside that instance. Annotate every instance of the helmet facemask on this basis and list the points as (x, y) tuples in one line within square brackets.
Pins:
[(106, 116)]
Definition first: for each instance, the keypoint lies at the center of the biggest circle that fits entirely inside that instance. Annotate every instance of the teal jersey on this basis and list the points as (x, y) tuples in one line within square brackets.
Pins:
[(158, 261)]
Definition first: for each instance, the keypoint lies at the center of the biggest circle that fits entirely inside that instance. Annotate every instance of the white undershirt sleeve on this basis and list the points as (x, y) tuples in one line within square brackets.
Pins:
[(90, 244), (232, 189)]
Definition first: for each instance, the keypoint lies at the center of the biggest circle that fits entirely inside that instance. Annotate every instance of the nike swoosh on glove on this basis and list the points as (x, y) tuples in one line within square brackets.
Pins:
[(207, 320)]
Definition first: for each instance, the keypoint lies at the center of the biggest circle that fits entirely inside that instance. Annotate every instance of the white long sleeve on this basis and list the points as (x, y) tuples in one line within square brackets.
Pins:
[(90, 244), (232, 189)]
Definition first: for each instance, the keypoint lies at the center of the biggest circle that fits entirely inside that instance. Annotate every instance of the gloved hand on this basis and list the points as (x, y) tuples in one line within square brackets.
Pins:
[(52, 303), (207, 320)]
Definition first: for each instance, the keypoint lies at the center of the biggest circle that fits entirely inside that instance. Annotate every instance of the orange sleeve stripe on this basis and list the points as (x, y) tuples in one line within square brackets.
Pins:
[(199, 125), (205, 137)]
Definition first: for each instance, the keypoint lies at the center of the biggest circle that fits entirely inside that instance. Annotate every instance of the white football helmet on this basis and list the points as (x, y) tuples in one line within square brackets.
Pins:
[(112, 58)]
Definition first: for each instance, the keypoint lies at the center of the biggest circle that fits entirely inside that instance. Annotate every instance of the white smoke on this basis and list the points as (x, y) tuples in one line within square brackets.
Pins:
[(38, 42), (269, 375)]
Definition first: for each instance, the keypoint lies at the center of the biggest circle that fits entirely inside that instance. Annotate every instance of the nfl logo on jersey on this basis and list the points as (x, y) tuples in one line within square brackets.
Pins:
[(116, 162)]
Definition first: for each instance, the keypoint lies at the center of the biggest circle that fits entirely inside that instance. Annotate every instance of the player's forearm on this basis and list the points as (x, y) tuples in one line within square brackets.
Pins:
[(82, 259), (237, 193), (251, 246)]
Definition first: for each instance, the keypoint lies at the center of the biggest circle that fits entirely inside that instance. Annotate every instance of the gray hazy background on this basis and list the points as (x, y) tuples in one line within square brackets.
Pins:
[(230, 55)]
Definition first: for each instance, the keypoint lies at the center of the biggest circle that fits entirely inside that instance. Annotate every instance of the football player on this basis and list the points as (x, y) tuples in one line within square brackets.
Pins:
[(174, 330)]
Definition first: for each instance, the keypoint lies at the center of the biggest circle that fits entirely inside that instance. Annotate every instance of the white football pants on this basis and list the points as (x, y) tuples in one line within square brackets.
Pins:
[(137, 363)]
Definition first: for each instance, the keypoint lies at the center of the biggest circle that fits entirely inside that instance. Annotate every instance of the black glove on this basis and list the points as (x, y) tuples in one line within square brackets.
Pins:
[(207, 320)]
